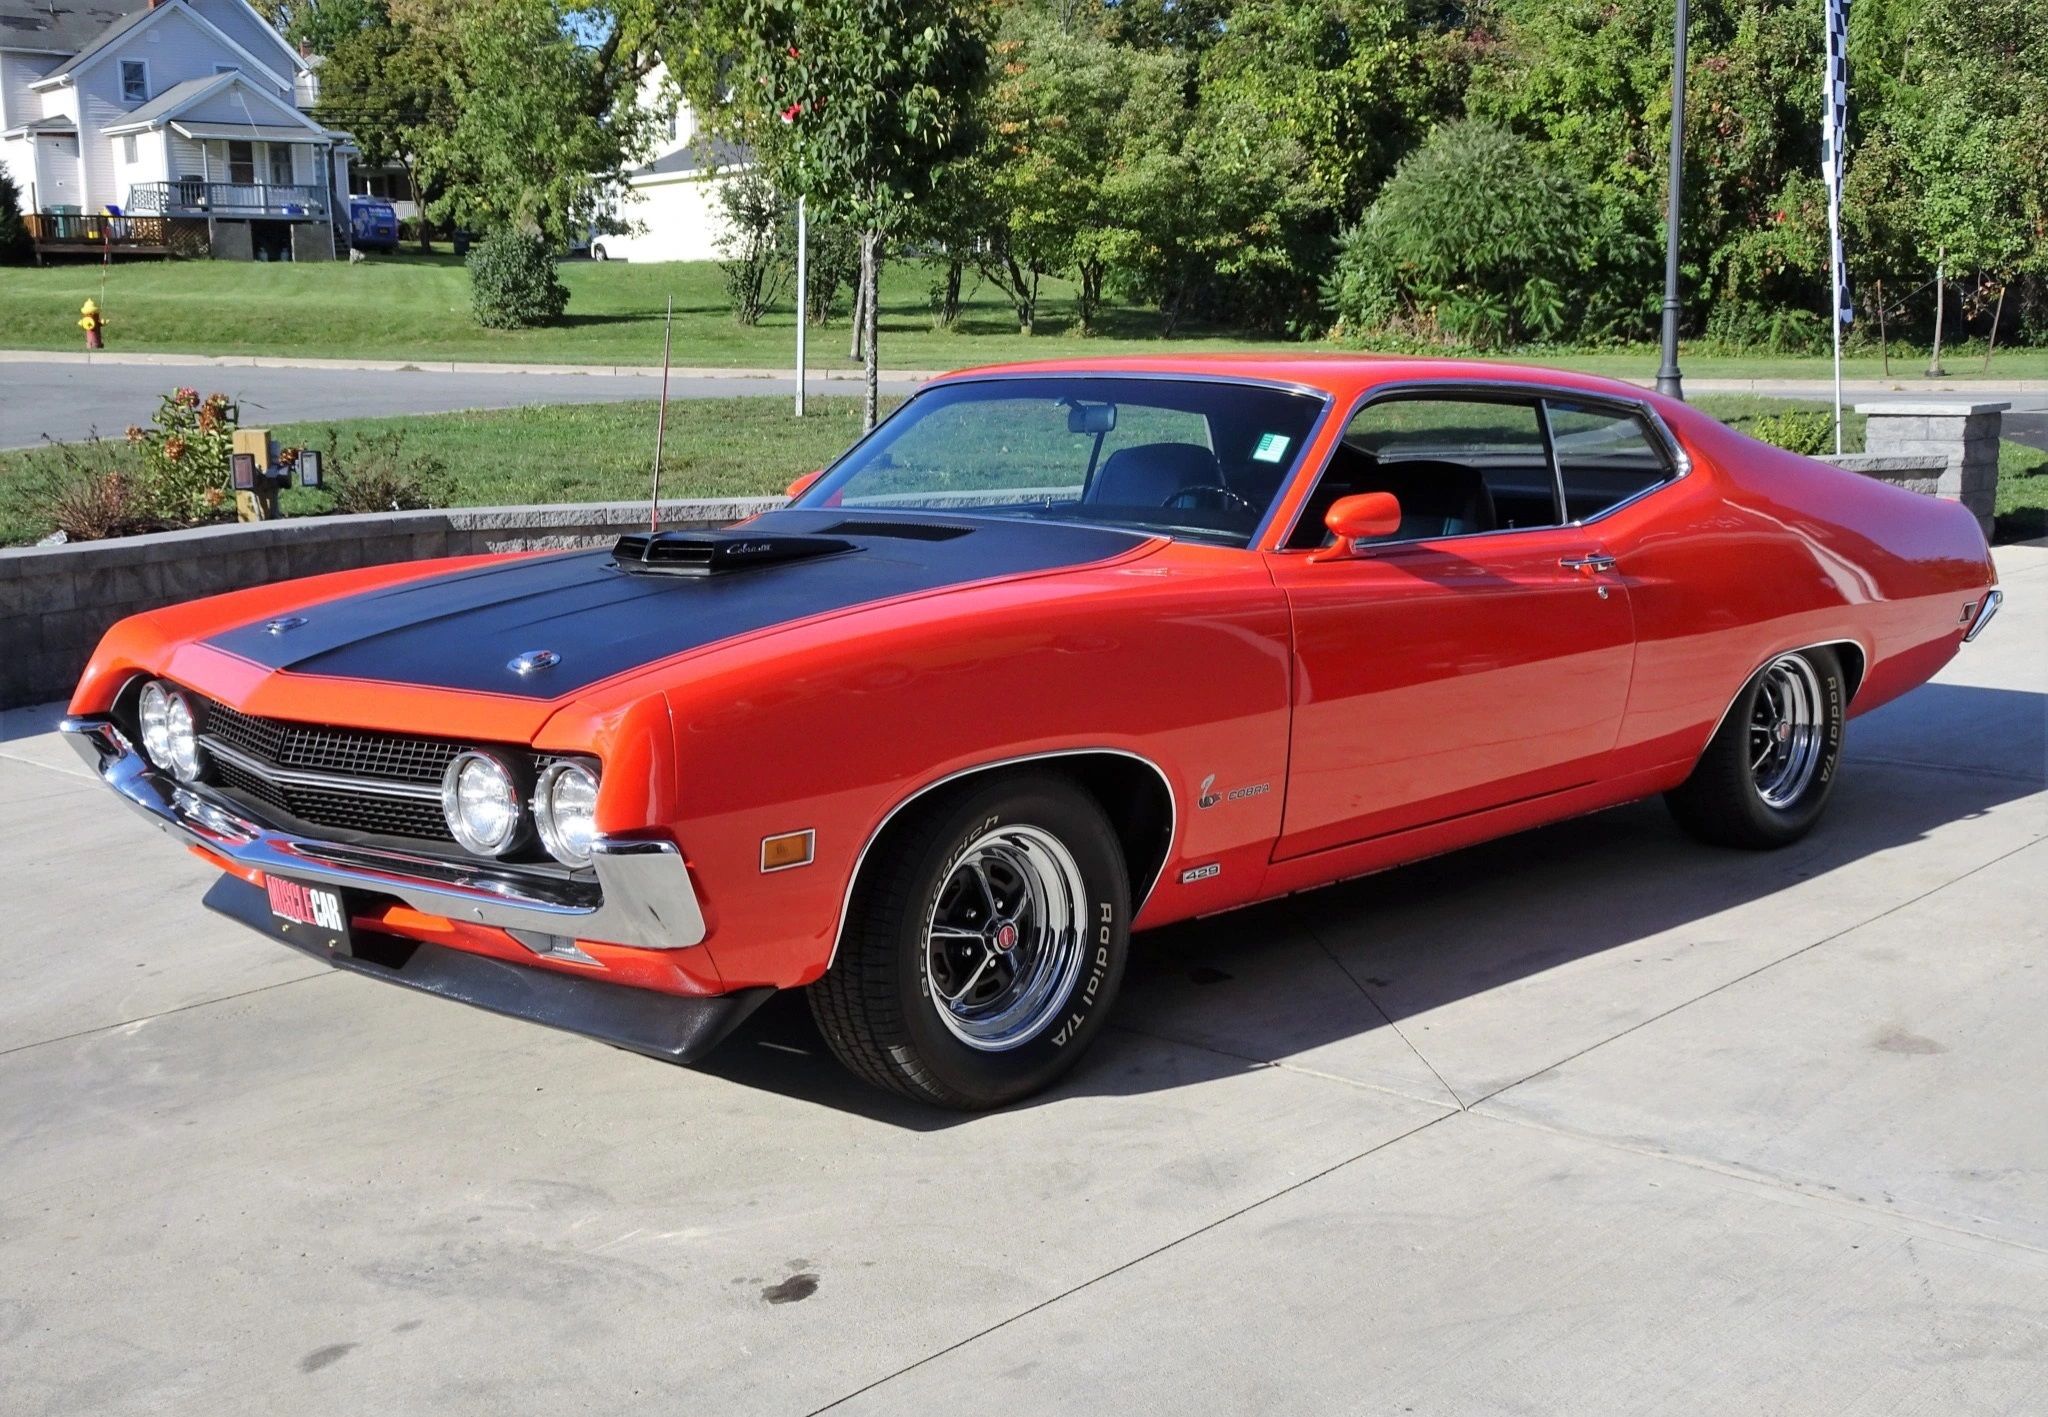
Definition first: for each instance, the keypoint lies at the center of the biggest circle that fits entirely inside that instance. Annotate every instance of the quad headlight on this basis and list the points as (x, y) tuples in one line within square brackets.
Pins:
[(169, 733), (481, 802), (565, 810)]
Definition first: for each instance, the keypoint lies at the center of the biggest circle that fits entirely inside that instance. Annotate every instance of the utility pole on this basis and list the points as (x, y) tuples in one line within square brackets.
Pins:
[(1668, 379), (803, 298)]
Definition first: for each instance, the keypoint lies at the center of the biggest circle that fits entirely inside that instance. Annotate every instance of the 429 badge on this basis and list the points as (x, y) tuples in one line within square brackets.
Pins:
[(312, 916)]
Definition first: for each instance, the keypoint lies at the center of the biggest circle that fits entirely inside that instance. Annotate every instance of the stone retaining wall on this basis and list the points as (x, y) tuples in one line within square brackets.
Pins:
[(56, 601)]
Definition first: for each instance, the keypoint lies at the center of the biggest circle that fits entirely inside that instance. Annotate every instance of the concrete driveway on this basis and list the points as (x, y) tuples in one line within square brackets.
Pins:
[(1590, 1120)]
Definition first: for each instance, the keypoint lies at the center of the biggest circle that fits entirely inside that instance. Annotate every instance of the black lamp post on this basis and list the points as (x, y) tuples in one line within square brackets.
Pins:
[(1668, 381)]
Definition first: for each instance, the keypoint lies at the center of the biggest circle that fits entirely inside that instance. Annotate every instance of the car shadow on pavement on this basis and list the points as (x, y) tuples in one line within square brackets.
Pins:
[(1348, 963)]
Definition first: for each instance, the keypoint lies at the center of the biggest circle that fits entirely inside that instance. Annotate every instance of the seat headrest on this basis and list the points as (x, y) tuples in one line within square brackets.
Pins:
[(1150, 473)]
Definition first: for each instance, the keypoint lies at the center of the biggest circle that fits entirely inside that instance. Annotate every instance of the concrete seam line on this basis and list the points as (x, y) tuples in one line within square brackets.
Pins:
[(1115, 1270), (1817, 1192), (1283, 1066), (78, 773), (165, 1013), (1377, 1007), (2034, 779), (2027, 845)]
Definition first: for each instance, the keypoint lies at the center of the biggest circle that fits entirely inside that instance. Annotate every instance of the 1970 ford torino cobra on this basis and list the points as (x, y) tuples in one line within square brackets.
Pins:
[(1058, 652)]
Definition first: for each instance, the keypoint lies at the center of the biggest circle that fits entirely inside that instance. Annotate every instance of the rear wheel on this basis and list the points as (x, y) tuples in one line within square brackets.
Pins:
[(1766, 776), (984, 948)]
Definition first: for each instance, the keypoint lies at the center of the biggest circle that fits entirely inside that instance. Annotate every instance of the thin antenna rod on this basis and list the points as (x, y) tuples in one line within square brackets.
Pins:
[(661, 420)]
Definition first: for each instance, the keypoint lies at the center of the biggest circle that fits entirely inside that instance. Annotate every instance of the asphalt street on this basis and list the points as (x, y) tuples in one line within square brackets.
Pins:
[(70, 400), (1591, 1120)]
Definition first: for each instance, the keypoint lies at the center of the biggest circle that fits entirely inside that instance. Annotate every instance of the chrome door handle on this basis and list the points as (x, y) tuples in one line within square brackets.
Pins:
[(1587, 565)]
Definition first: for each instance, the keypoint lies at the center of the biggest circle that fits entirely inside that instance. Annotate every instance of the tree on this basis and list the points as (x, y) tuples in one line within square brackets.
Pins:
[(877, 95), (1054, 134), (14, 243), (515, 112), (1477, 236)]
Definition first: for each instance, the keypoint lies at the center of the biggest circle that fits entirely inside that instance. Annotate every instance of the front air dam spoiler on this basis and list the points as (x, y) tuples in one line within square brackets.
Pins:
[(674, 1028)]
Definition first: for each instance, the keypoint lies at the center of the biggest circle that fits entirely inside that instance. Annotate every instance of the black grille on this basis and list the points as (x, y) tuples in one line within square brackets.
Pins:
[(312, 747), (348, 752), (354, 812)]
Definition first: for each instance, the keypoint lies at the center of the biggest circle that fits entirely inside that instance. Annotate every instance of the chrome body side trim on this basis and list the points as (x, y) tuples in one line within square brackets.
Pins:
[(642, 897), (1993, 598), (1172, 823)]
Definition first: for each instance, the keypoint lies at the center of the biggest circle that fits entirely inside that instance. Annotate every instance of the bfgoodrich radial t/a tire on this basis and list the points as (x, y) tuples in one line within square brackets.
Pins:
[(1771, 765), (984, 947)]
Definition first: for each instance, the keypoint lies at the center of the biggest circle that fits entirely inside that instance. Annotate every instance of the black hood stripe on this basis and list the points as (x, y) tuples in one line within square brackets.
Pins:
[(461, 630)]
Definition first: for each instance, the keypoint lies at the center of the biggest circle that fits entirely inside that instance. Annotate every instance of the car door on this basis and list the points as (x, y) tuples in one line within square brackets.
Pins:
[(1480, 656)]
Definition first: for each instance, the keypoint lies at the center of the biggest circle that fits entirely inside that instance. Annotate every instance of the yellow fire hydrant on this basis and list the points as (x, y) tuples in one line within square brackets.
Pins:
[(92, 321)]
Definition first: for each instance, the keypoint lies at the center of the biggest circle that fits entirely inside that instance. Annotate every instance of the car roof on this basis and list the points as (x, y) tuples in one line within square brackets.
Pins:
[(1341, 375)]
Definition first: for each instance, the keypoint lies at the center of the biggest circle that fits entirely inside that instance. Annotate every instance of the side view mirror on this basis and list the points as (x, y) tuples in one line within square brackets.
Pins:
[(1360, 517), (802, 485)]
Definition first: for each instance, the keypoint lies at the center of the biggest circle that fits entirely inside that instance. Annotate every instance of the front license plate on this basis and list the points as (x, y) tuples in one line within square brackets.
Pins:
[(315, 917)]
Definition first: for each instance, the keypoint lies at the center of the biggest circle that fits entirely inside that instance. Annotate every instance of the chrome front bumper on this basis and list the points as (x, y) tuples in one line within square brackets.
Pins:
[(643, 896)]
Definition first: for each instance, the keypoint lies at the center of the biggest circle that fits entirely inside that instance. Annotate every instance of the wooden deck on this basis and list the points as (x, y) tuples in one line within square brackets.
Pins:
[(64, 234)]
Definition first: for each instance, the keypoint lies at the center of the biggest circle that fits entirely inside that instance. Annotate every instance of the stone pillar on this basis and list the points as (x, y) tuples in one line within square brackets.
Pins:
[(1966, 434)]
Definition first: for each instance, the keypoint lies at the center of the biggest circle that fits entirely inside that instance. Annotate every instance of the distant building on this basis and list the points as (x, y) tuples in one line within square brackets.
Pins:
[(672, 204), (185, 119)]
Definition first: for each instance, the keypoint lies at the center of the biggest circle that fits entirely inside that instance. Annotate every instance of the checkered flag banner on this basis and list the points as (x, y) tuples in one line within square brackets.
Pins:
[(1834, 132)]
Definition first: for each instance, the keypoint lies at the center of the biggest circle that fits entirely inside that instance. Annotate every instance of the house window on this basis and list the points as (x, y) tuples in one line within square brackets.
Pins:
[(128, 148), (280, 165), (135, 81), (241, 162)]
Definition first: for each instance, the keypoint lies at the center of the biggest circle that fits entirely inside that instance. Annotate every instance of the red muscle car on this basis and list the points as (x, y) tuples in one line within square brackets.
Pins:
[(1058, 652)]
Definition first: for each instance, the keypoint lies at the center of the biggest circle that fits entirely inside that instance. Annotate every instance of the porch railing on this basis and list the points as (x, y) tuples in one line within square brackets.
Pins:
[(57, 229), (276, 200)]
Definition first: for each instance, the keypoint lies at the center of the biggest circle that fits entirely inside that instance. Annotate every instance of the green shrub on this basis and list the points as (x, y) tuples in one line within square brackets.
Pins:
[(758, 256), (14, 245), (512, 281), (185, 457), (1475, 240), (374, 472), (92, 494), (1798, 430)]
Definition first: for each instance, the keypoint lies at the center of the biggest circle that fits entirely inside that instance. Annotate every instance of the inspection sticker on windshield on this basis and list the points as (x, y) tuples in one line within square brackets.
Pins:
[(1272, 447)]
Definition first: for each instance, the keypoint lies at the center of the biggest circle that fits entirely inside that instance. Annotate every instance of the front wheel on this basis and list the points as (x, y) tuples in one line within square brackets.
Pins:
[(984, 948), (1765, 777)]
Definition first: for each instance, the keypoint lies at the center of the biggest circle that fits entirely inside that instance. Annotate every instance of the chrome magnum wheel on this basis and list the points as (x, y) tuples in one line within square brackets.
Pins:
[(985, 944), (1007, 938), (1767, 773), (1787, 726)]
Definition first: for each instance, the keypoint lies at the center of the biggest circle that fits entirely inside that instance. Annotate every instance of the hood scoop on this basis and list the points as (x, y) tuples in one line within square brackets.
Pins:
[(714, 553)]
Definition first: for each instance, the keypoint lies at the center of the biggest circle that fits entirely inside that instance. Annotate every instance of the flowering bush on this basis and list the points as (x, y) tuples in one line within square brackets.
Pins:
[(185, 456)]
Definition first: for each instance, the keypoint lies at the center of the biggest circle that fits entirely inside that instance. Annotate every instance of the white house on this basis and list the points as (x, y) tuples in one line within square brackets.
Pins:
[(671, 205), (183, 119)]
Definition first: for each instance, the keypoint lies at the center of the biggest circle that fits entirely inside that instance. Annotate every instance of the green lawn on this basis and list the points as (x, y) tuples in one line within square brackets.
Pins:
[(714, 447), (412, 307)]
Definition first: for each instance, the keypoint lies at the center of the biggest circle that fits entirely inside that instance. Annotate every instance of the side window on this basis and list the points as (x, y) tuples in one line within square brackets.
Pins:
[(1604, 457), (134, 81), (1456, 465)]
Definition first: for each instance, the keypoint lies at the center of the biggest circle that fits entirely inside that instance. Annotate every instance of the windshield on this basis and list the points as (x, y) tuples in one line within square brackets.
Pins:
[(1183, 457)]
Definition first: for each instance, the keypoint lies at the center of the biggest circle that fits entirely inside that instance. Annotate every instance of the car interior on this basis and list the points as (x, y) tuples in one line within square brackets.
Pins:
[(1492, 474)]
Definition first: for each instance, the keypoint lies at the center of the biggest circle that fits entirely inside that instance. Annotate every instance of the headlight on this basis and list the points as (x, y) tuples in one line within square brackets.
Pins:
[(169, 734), (481, 804), (565, 809)]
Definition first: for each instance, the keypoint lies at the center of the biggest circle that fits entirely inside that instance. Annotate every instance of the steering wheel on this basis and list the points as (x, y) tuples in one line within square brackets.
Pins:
[(1185, 498)]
